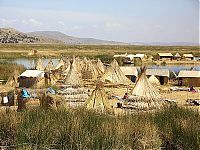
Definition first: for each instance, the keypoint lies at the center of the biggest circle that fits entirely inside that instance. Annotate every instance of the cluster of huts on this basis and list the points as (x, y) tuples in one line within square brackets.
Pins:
[(177, 56), (72, 75), (131, 58)]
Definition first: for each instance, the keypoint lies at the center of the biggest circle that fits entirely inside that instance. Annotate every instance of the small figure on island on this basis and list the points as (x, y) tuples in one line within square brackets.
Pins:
[(125, 96), (22, 95), (192, 89), (47, 78)]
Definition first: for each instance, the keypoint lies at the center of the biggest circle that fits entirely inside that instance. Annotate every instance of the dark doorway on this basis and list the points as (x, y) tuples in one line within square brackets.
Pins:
[(162, 80), (133, 79)]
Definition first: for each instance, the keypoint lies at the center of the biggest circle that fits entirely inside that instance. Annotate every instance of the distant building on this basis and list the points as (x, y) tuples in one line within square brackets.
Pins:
[(189, 78), (130, 72), (165, 56), (161, 74), (177, 56), (30, 77), (120, 55), (131, 58), (188, 57)]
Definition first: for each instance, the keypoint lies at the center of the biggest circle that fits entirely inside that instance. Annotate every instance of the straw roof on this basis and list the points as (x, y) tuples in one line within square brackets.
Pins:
[(188, 55), (129, 70), (32, 74), (165, 54), (39, 65), (158, 72), (98, 100), (153, 80), (67, 67), (189, 74), (100, 67), (50, 66), (115, 75), (177, 55), (73, 77), (60, 64), (144, 95), (12, 80), (144, 88), (89, 71)]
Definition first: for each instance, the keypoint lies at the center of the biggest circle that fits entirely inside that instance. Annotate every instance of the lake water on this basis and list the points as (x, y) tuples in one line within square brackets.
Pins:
[(30, 64)]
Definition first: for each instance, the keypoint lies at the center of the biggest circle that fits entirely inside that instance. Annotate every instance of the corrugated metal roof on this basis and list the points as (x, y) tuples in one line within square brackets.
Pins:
[(158, 72), (32, 73), (128, 71), (188, 55), (189, 74), (165, 54)]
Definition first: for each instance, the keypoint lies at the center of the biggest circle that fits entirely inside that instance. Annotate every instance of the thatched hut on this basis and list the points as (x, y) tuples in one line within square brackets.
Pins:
[(154, 81), (188, 57), (161, 74), (98, 100), (165, 56), (100, 67), (130, 72), (189, 78), (73, 77), (29, 78), (114, 75), (144, 95), (89, 71), (60, 64), (13, 80), (177, 56)]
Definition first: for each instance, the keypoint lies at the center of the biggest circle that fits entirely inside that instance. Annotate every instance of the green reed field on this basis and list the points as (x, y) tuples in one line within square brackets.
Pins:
[(7, 69), (53, 50), (175, 128)]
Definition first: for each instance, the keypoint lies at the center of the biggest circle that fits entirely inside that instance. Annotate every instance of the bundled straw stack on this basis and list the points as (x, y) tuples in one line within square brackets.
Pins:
[(89, 71), (144, 95), (100, 67), (98, 101), (114, 75), (154, 81), (60, 64), (73, 77), (12, 80)]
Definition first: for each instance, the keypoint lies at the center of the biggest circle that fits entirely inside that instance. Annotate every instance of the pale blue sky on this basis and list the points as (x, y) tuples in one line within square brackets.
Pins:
[(120, 20)]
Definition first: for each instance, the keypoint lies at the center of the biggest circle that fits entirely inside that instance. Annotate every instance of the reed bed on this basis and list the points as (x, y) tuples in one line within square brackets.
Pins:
[(175, 128), (7, 69)]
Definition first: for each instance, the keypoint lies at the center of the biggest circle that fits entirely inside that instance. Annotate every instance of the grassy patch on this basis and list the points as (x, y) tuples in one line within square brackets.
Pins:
[(175, 128), (7, 69)]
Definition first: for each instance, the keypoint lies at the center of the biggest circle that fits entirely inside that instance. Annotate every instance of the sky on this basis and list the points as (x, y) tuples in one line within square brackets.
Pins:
[(117, 20)]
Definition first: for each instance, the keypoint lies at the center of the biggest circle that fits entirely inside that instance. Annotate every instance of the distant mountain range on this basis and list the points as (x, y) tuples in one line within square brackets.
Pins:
[(11, 35), (73, 40)]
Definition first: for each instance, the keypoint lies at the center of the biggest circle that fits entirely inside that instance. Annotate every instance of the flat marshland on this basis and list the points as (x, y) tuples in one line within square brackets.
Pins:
[(174, 128), (103, 51)]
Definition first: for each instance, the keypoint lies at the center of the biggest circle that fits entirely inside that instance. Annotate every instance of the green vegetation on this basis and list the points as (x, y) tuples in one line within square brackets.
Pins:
[(175, 128), (7, 69), (53, 50)]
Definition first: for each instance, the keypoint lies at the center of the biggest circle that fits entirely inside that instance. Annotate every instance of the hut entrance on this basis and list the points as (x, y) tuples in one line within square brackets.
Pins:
[(133, 78), (162, 80)]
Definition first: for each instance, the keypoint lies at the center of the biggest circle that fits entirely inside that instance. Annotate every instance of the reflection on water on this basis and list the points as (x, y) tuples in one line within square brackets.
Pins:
[(30, 64)]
